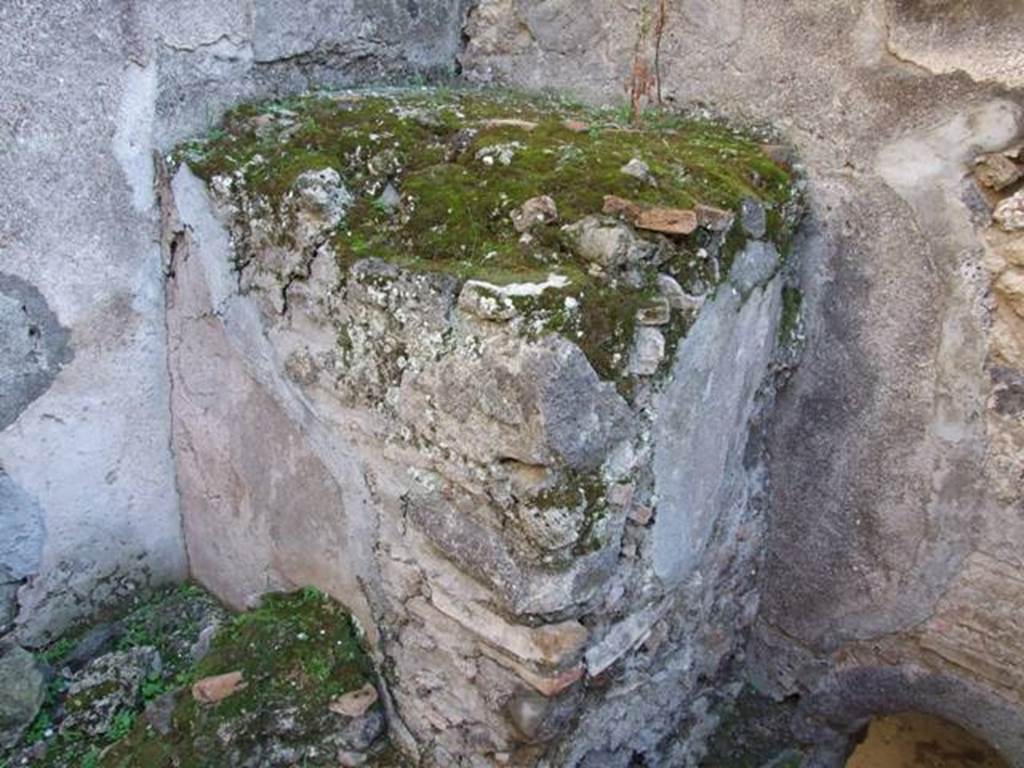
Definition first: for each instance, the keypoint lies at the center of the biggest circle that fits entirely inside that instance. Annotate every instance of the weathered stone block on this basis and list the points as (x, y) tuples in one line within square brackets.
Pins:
[(22, 688)]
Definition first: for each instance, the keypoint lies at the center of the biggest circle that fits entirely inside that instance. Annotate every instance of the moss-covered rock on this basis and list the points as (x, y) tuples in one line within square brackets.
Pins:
[(298, 654), (450, 181)]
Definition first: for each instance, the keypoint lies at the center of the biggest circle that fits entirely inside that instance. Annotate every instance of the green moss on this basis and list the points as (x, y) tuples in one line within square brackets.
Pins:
[(576, 489), (299, 650), (792, 299), (85, 699), (296, 651), (56, 651), (454, 211)]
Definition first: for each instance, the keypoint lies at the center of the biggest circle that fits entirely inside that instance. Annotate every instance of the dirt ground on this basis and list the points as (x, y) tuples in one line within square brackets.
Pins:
[(916, 740)]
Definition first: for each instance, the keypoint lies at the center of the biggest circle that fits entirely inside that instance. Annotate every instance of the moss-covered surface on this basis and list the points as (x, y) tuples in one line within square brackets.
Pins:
[(297, 653), (461, 164), (456, 206), (792, 300), (579, 490), (168, 620)]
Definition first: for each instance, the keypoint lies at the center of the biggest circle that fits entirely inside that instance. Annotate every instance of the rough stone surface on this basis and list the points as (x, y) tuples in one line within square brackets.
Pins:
[(89, 91), (894, 457), (534, 212), (699, 443), (210, 690), (647, 353), (890, 460), (1009, 214), (22, 523), (98, 641), (476, 472), (34, 347), (753, 219), (8, 605), (21, 692), (160, 711), (109, 684), (754, 266), (355, 703), (671, 221), (997, 171), (607, 242), (231, 542)]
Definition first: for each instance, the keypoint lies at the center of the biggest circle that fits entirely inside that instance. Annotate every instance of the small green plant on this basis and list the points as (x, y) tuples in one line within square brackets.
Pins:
[(381, 207), (312, 593), (91, 759), (58, 650), (37, 731), (123, 723), (319, 668), (792, 300), (189, 589), (153, 686)]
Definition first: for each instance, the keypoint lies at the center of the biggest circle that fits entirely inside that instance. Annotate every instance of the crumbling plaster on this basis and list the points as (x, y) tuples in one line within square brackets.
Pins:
[(90, 89)]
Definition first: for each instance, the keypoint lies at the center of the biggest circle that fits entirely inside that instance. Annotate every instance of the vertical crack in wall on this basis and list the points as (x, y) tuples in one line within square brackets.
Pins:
[(173, 245)]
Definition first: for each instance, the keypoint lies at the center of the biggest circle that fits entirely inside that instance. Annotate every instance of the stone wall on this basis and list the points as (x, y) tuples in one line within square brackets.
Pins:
[(88, 90), (528, 535), (895, 449), (894, 457)]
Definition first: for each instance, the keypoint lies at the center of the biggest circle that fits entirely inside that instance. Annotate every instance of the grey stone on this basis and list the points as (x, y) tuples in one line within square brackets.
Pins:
[(583, 415), (536, 403), (647, 352), (754, 266), (322, 193), (482, 301), (360, 733), (201, 647), (21, 520), (753, 218), (159, 712), (8, 606), (638, 169), (390, 198), (608, 242), (477, 550), (284, 736), (34, 346), (469, 543), (699, 472), (677, 298), (109, 684), (22, 688), (527, 710), (621, 638), (96, 642), (540, 718)]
